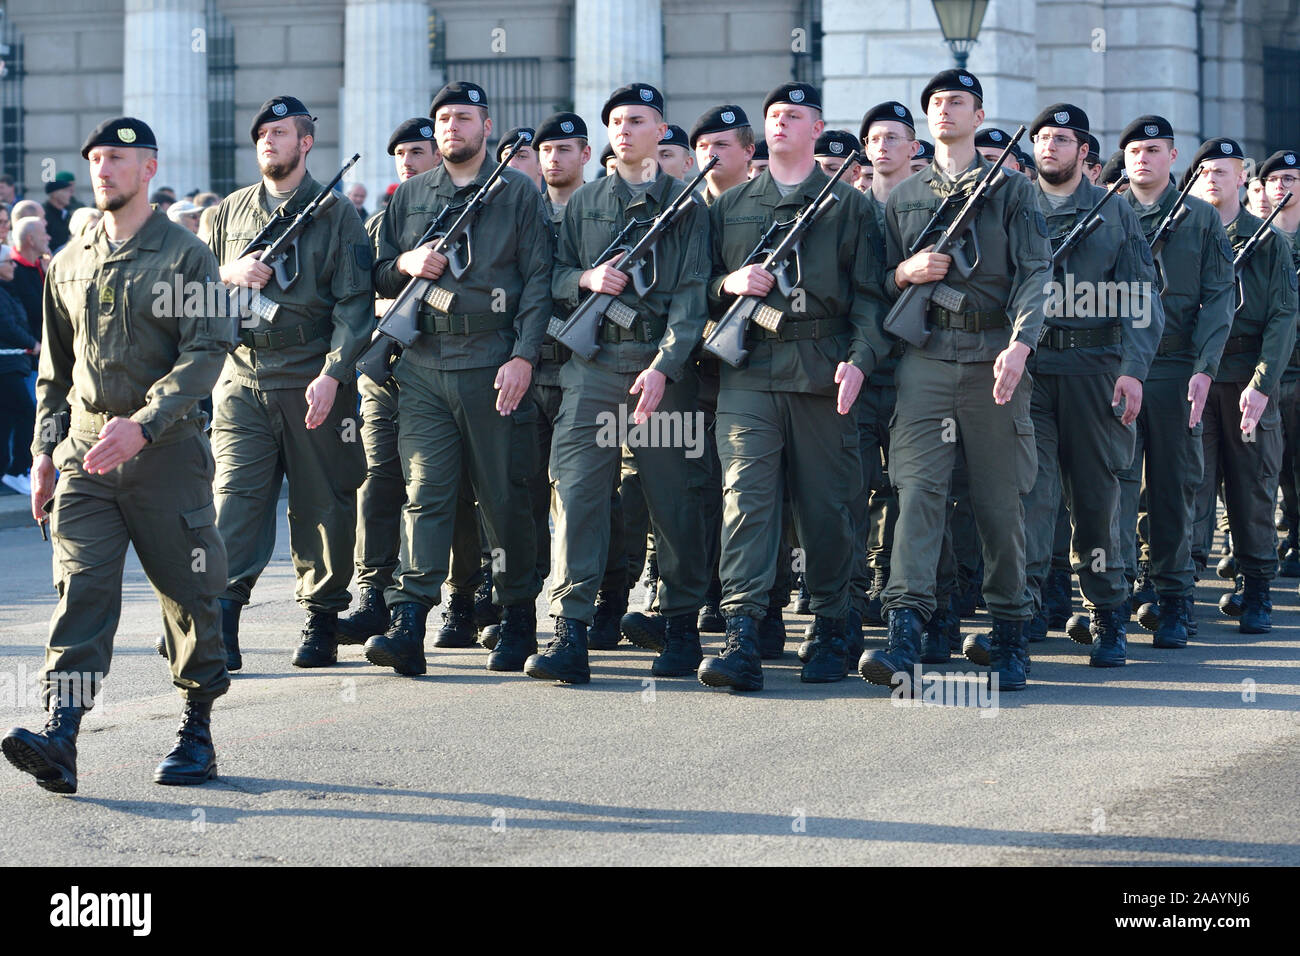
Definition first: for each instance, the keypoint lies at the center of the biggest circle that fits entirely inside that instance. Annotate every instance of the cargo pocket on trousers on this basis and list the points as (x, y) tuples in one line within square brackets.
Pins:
[(1026, 455), (1121, 440), (1265, 443), (206, 554), (523, 441), (352, 453)]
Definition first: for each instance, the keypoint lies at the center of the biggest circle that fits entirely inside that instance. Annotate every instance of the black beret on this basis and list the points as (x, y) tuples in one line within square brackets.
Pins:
[(892, 111), (717, 120), (122, 131), (675, 136), (1221, 147), (1064, 115), (1113, 169), (760, 151), (526, 133), (1282, 159), (414, 130), (1094, 151), (634, 94), (1025, 158), (991, 137), (277, 108), (460, 93), (606, 155), (560, 126), (961, 81), (1146, 127), (798, 94), (835, 143), (926, 152)]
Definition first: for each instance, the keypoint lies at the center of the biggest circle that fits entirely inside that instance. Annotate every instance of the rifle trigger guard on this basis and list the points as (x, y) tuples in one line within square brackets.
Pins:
[(461, 255), (639, 281), (964, 265)]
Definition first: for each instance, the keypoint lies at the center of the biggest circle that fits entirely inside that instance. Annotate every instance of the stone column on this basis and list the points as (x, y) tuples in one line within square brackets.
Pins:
[(386, 79), (615, 42), (165, 83)]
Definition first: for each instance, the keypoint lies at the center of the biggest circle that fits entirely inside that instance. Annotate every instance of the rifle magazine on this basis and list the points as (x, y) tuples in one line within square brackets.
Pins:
[(768, 317), (554, 327), (620, 314), (945, 296), (439, 299)]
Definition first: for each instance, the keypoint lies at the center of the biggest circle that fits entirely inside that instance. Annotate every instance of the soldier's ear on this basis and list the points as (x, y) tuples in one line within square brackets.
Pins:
[(914, 148), (586, 154), (487, 126)]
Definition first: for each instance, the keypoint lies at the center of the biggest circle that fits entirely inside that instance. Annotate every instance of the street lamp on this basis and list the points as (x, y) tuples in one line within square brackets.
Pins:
[(960, 21)]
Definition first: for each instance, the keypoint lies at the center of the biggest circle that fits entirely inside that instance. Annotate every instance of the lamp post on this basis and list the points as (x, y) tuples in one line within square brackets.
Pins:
[(960, 21)]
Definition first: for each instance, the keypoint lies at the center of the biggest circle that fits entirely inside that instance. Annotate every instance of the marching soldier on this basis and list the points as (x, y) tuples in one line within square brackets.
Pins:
[(1087, 380), (381, 495), (961, 387), (464, 401), (784, 418), (118, 392), (287, 400), (888, 134), (1195, 266), (1242, 435), (648, 363)]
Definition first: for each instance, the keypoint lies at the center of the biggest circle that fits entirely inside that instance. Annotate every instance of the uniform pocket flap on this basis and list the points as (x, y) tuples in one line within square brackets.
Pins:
[(200, 517)]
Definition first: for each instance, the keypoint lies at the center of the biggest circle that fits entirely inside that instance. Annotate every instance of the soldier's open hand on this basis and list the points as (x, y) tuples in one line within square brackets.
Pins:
[(1252, 405), (925, 266), (604, 278), (849, 378), (749, 280), (42, 486), (511, 384), (320, 399), (650, 384), (119, 441), (422, 263), (1198, 387), (1008, 368), (1129, 391), (248, 271)]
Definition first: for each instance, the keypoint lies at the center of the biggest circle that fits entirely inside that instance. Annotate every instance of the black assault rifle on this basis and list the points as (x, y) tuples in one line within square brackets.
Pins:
[(580, 330), (1165, 231), (1086, 226), (908, 319), (400, 325), (1249, 248), (726, 337)]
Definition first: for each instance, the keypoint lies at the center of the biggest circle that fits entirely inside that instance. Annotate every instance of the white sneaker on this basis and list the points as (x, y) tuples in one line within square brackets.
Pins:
[(19, 483)]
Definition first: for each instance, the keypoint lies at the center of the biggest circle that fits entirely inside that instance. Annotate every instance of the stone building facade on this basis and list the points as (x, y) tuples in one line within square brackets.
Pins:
[(198, 69)]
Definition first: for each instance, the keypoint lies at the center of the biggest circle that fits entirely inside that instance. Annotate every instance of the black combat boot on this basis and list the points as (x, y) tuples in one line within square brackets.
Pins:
[(1058, 597), (1036, 627), (803, 603), (1079, 628), (230, 633), (875, 612), (952, 628), (1109, 641), (1008, 654), (565, 657), (1289, 560), (682, 654), (1144, 591), (193, 760), (739, 665), (1189, 599), (978, 648), (1232, 603), (854, 642), (1256, 608), (50, 755), (319, 647), (1148, 615), (401, 647), (645, 629), (604, 633), (711, 619), (457, 623), (934, 639), (771, 634), (370, 618), (967, 597), (1171, 627), (900, 652), (485, 612), (516, 638), (827, 663)]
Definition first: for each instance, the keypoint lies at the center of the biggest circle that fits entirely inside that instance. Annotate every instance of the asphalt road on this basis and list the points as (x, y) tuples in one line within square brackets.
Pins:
[(1170, 760)]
